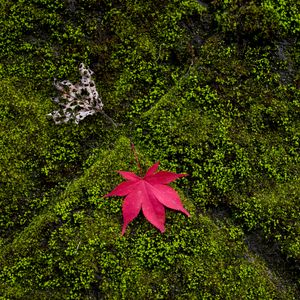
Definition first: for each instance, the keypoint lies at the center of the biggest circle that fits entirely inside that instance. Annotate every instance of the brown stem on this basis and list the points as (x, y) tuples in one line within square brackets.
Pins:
[(136, 158)]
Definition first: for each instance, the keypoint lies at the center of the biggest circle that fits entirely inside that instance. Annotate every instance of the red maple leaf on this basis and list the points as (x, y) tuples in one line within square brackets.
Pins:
[(150, 193)]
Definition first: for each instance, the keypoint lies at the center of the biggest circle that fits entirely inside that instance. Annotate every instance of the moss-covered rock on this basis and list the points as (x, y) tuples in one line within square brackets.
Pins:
[(74, 250), (258, 20), (36, 156), (192, 86)]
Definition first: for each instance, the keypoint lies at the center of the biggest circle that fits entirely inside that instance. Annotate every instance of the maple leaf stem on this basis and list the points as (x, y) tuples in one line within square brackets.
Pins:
[(136, 158)]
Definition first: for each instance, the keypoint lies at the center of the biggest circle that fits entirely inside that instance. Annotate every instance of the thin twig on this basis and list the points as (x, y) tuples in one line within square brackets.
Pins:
[(109, 118)]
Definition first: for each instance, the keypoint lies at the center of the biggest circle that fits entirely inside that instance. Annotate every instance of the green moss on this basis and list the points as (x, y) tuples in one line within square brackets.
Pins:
[(272, 211), (74, 248), (261, 19), (193, 87), (231, 136), (36, 154)]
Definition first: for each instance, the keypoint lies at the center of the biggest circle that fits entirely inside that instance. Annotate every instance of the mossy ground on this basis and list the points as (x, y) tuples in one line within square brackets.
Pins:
[(209, 88)]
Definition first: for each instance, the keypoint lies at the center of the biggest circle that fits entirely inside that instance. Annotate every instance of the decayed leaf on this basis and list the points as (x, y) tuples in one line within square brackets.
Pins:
[(77, 101), (150, 194)]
